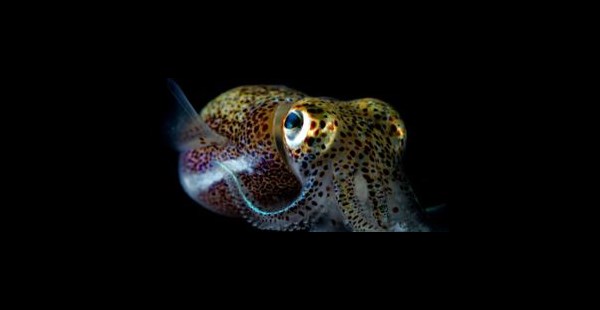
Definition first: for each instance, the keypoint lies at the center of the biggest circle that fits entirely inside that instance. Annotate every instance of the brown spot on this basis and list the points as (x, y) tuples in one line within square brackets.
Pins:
[(313, 124), (265, 127), (322, 124)]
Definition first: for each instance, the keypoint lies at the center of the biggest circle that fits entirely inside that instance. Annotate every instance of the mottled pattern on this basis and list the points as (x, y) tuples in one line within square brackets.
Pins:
[(338, 169)]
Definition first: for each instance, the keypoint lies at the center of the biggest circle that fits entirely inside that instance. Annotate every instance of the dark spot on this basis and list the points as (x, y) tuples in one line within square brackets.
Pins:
[(313, 124), (293, 120), (309, 141), (322, 124), (395, 210), (265, 127), (314, 110)]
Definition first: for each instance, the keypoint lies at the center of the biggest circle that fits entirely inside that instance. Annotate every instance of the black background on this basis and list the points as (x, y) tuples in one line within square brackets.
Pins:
[(110, 100)]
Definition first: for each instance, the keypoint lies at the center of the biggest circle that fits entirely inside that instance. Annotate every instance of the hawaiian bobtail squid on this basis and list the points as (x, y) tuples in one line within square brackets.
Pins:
[(286, 161)]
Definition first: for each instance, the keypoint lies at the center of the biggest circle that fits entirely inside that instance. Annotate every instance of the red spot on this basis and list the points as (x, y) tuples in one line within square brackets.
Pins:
[(313, 124)]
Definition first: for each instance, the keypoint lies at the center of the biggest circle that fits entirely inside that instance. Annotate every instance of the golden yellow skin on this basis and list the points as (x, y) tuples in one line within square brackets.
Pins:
[(338, 169)]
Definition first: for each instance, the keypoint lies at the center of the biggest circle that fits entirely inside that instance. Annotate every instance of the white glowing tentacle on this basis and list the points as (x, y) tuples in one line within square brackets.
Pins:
[(195, 183)]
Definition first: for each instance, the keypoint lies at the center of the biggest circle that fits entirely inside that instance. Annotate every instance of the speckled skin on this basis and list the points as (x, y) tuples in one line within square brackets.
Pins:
[(345, 175)]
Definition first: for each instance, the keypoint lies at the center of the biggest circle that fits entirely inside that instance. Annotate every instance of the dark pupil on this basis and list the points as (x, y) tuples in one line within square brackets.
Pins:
[(293, 120)]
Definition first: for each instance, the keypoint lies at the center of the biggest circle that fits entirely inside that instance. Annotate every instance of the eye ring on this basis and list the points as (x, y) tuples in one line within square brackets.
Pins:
[(295, 128)]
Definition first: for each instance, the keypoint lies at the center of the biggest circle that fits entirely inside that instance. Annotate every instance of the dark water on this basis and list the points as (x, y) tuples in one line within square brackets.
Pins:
[(421, 96)]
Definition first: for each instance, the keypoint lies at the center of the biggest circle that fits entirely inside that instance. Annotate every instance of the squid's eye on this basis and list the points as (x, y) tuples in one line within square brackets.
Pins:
[(294, 120), (295, 128)]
